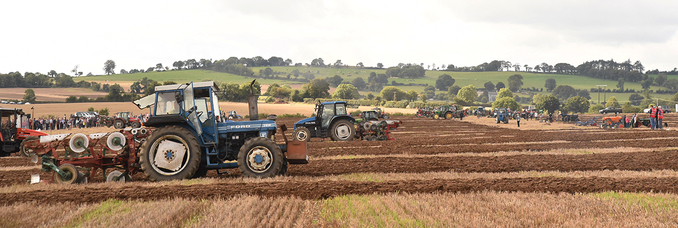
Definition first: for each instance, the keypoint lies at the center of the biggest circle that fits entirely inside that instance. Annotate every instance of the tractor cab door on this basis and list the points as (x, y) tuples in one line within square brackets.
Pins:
[(326, 113), (190, 109)]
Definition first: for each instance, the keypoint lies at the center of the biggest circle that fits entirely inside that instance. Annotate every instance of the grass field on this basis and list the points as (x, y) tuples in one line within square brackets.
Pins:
[(477, 79)]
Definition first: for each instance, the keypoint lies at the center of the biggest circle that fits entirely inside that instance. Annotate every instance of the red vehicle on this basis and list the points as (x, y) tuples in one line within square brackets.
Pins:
[(14, 125), (125, 119)]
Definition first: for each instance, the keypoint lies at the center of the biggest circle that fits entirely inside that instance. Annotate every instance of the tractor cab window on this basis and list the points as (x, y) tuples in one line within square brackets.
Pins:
[(167, 104), (327, 114), (203, 109), (341, 109)]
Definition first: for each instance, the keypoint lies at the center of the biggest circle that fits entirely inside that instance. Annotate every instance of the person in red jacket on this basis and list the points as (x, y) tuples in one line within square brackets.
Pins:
[(660, 117), (653, 117)]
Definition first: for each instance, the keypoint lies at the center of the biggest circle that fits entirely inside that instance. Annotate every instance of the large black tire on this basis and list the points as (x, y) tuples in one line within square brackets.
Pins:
[(189, 164), (22, 150), (260, 157), (342, 130), (283, 170), (119, 124), (136, 124), (75, 176), (302, 134)]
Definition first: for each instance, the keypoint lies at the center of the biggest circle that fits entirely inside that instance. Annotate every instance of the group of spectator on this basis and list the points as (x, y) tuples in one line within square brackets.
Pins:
[(64, 122)]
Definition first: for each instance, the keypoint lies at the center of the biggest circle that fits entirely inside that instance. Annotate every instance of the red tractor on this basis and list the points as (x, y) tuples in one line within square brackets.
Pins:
[(14, 125), (126, 119)]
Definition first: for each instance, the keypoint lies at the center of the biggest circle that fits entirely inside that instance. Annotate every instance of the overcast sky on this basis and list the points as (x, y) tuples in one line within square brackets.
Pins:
[(39, 36)]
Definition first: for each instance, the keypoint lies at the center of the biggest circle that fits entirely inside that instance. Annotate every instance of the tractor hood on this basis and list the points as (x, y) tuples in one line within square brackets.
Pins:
[(310, 119), (241, 126)]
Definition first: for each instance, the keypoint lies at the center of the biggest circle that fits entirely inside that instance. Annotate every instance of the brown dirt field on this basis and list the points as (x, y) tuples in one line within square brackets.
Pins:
[(432, 141), (327, 189), (49, 94)]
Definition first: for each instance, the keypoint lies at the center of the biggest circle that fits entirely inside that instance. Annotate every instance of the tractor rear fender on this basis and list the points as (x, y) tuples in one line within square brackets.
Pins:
[(183, 124), (337, 118)]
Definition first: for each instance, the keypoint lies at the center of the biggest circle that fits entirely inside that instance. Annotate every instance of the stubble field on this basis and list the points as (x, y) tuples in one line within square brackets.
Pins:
[(438, 173)]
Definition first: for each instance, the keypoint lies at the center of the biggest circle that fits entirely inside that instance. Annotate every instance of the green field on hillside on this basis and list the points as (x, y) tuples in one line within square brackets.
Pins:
[(477, 79)]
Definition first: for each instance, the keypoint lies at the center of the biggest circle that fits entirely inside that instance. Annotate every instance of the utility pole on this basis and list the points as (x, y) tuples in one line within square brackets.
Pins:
[(394, 95), (599, 92)]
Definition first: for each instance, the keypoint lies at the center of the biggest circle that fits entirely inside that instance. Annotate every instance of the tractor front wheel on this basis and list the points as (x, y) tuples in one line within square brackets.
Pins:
[(170, 153), (302, 134), (119, 124), (260, 157), (136, 124), (342, 130)]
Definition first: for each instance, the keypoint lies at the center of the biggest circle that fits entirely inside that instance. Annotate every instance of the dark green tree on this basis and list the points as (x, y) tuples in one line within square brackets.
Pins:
[(499, 86), (109, 67), (29, 95), (444, 82), (317, 88), (359, 83), (549, 103), (515, 82), (489, 86), (335, 80), (550, 84), (564, 92), (577, 104)]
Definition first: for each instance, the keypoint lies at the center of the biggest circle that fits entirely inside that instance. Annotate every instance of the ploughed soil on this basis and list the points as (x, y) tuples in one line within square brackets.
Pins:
[(325, 189), (416, 136)]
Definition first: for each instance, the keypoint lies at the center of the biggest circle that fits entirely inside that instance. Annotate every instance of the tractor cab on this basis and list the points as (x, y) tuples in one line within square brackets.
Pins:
[(15, 128), (331, 120), (124, 115), (369, 115)]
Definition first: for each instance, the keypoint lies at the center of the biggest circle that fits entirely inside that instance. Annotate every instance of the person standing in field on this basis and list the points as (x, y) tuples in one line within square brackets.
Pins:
[(653, 117), (660, 117), (518, 120)]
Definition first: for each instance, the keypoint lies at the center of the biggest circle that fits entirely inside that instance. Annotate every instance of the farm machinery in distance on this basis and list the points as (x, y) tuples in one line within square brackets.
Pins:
[(121, 120), (184, 139), (331, 120), (444, 111), (370, 128)]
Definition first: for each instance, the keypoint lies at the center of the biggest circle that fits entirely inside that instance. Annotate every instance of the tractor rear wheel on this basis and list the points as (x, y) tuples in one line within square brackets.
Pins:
[(302, 134), (136, 124), (260, 157), (170, 153), (119, 124), (448, 115), (23, 151), (342, 130)]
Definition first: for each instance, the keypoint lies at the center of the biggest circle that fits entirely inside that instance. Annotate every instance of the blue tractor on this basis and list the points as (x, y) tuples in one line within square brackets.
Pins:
[(331, 120), (502, 116), (191, 137)]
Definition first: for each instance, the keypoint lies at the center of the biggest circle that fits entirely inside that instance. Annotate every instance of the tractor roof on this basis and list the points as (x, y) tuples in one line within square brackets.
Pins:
[(11, 111), (196, 85), (334, 102)]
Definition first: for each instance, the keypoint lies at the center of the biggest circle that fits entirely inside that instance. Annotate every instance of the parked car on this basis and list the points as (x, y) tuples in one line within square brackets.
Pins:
[(610, 110), (27, 103), (12, 102)]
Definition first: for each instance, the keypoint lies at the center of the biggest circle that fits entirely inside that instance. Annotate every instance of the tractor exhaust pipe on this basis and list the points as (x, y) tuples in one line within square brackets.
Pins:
[(252, 103)]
